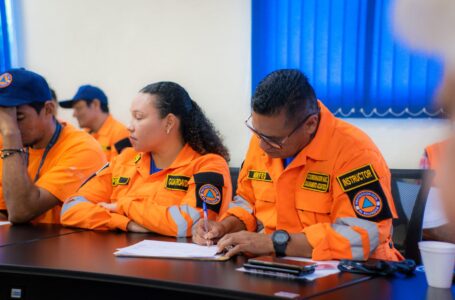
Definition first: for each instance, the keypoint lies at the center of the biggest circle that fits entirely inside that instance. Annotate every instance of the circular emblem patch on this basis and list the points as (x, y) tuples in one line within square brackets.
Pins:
[(210, 194), (367, 203), (5, 80)]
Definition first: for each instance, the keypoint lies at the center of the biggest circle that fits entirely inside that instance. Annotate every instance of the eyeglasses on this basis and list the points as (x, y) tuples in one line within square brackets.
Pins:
[(275, 143)]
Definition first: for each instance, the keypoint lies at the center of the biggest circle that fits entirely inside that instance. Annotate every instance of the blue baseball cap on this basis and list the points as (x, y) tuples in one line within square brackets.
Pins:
[(20, 86), (86, 92)]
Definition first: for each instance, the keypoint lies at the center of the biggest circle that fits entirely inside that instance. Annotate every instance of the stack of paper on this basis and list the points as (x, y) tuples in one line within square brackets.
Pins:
[(148, 248)]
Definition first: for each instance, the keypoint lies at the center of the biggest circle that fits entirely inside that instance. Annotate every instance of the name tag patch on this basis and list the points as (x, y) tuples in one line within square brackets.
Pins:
[(177, 182), (120, 181), (259, 175), (357, 178), (317, 182)]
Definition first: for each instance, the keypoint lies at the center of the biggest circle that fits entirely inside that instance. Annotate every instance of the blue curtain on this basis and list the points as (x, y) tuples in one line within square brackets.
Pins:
[(5, 55), (347, 50)]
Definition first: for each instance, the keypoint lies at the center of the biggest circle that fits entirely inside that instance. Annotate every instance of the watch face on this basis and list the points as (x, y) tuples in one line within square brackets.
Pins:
[(280, 237)]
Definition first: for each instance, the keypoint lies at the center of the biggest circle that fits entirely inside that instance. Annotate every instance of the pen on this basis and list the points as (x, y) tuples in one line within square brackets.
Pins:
[(206, 219)]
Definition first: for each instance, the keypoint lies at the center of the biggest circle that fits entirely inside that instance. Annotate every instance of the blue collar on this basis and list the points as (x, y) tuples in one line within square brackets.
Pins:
[(153, 168), (287, 161)]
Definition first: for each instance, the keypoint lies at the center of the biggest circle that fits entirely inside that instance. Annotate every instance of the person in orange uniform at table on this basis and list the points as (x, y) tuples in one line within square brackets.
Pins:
[(91, 110), (43, 160), (177, 162), (315, 185)]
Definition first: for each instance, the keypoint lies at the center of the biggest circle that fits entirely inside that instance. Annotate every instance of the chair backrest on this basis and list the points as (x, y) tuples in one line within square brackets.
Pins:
[(410, 190), (234, 177)]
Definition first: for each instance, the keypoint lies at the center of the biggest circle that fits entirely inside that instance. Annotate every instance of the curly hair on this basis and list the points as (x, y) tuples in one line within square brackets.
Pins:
[(288, 89), (196, 129)]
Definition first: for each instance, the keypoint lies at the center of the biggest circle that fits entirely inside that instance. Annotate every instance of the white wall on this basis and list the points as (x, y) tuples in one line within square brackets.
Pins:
[(202, 44)]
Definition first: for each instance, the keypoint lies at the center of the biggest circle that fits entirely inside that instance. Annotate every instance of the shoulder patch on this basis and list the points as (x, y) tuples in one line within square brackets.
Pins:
[(122, 144), (365, 193), (177, 182), (120, 181), (137, 158), (357, 178), (259, 175), (209, 189), (367, 204), (318, 182), (210, 194)]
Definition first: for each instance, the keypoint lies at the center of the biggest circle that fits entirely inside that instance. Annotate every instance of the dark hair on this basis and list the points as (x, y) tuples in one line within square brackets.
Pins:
[(288, 89), (104, 107), (37, 106), (196, 129)]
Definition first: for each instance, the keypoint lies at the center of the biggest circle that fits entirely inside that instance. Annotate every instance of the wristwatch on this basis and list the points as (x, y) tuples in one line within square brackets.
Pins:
[(280, 239)]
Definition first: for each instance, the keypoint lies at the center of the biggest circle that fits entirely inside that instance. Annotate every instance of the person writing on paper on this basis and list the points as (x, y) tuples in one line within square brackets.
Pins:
[(311, 185), (43, 160), (177, 164)]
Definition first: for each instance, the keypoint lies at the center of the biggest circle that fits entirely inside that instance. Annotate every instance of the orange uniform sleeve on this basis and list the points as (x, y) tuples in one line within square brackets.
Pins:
[(79, 211), (243, 202), (361, 213), (210, 182)]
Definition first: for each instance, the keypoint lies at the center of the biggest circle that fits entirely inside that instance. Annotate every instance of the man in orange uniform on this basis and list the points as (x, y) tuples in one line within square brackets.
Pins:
[(315, 185), (162, 184), (43, 161), (91, 109)]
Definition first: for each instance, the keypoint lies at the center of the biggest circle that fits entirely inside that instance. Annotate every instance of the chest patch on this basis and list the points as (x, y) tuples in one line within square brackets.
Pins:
[(317, 182), (259, 175), (177, 182), (120, 181)]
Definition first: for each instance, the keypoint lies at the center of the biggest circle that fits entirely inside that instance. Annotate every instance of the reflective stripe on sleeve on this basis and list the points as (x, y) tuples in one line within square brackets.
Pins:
[(238, 201), (370, 227), (73, 201)]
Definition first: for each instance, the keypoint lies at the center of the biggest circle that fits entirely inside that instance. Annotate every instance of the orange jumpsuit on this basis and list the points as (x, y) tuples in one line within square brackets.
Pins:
[(113, 137), (74, 157), (167, 202), (336, 191)]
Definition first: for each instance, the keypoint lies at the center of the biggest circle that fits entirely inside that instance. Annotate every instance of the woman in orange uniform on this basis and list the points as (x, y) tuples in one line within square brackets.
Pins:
[(177, 163)]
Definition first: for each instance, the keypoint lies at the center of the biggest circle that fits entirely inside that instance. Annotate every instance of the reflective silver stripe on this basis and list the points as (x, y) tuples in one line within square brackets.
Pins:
[(179, 220), (241, 202), (192, 212), (70, 203), (370, 227), (354, 238)]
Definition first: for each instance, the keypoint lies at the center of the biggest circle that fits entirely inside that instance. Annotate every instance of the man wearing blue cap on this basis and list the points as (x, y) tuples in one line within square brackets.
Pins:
[(42, 161), (92, 112)]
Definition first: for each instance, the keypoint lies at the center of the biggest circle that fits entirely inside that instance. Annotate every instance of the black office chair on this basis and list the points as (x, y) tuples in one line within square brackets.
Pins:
[(410, 190), (234, 177)]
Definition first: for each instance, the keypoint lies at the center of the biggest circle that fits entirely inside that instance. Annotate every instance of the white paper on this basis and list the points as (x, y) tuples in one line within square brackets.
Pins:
[(5, 223), (323, 268), (148, 248)]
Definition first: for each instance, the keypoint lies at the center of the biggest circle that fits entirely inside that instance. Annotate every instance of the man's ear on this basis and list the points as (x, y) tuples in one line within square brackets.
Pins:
[(50, 107), (96, 103), (312, 124)]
